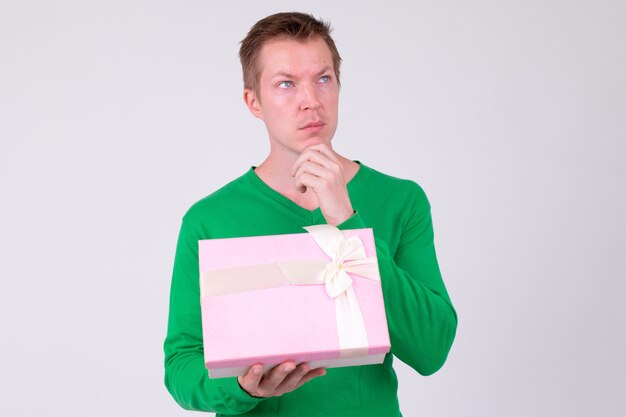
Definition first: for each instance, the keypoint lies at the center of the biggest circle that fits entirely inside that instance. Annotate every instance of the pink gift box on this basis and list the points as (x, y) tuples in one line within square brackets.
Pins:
[(251, 314)]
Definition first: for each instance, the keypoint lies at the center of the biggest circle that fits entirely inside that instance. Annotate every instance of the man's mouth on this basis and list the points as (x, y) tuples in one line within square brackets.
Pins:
[(313, 125)]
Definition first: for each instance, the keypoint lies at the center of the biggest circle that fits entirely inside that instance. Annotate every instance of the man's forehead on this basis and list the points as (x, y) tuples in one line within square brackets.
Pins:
[(284, 41), (286, 56)]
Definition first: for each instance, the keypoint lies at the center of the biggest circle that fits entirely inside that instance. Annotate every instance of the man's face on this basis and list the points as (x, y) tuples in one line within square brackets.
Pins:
[(297, 95)]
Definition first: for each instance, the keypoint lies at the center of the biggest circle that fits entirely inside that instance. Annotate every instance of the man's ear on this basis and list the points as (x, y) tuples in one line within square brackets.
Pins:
[(253, 103)]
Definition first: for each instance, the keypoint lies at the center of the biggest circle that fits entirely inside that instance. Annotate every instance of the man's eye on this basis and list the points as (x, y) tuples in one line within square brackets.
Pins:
[(285, 84), (325, 79)]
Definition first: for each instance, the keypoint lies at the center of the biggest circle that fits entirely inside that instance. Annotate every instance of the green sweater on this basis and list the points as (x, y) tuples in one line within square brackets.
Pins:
[(422, 322)]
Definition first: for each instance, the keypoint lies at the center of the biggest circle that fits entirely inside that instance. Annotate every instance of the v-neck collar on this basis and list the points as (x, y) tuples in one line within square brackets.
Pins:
[(314, 216)]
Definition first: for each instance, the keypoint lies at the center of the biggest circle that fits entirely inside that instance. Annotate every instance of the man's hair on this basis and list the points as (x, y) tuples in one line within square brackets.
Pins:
[(293, 25)]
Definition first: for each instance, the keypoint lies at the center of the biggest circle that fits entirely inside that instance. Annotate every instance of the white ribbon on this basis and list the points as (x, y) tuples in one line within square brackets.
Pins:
[(347, 255)]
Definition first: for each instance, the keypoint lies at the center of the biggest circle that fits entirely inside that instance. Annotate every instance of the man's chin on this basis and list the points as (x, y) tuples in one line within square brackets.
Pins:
[(315, 140)]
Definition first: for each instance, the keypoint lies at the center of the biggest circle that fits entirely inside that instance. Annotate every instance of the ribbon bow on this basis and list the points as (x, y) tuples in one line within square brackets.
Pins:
[(347, 255)]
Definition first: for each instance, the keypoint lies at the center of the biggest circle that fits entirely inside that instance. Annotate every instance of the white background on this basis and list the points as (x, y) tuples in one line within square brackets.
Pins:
[(115, 116)]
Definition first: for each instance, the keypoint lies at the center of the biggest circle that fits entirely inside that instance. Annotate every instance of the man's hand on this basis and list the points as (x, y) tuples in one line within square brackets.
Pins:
[(320, 169), (280, 380)]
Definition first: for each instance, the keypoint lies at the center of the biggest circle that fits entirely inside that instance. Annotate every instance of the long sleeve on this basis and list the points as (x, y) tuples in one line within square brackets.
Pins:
[(422, 321), (186, 376)]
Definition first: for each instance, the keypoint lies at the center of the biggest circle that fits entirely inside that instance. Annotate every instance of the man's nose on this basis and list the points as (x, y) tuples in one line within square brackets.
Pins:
[(309, 99)]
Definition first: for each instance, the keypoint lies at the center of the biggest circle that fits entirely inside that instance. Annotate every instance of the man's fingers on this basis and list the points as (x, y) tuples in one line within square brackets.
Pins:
[(306, 180), (325, 150), (274, 378), (292, 381), (281, 379), (313, 169), (313, 373), (314, 154), (250, 381)]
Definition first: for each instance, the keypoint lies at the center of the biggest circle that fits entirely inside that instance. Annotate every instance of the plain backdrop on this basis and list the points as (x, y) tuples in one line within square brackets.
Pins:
[(116, 116)]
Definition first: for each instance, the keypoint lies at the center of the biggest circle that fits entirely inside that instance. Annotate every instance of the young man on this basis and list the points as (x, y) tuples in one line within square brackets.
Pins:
[(291, 83)]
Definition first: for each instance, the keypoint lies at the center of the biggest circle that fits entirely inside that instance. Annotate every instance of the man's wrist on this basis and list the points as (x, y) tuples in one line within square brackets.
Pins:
[(337, 221), (353, 222)]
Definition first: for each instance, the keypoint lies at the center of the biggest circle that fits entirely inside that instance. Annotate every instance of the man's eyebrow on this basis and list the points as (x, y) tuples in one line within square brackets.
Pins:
[(325, 69), (283, 74)]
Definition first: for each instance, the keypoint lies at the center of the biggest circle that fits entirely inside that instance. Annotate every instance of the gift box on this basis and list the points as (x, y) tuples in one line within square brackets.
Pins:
[(311, 297)]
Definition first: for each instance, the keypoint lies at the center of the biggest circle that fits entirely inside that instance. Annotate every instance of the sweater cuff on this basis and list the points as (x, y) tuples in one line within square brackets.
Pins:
[(238, 396), (353, 222)]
